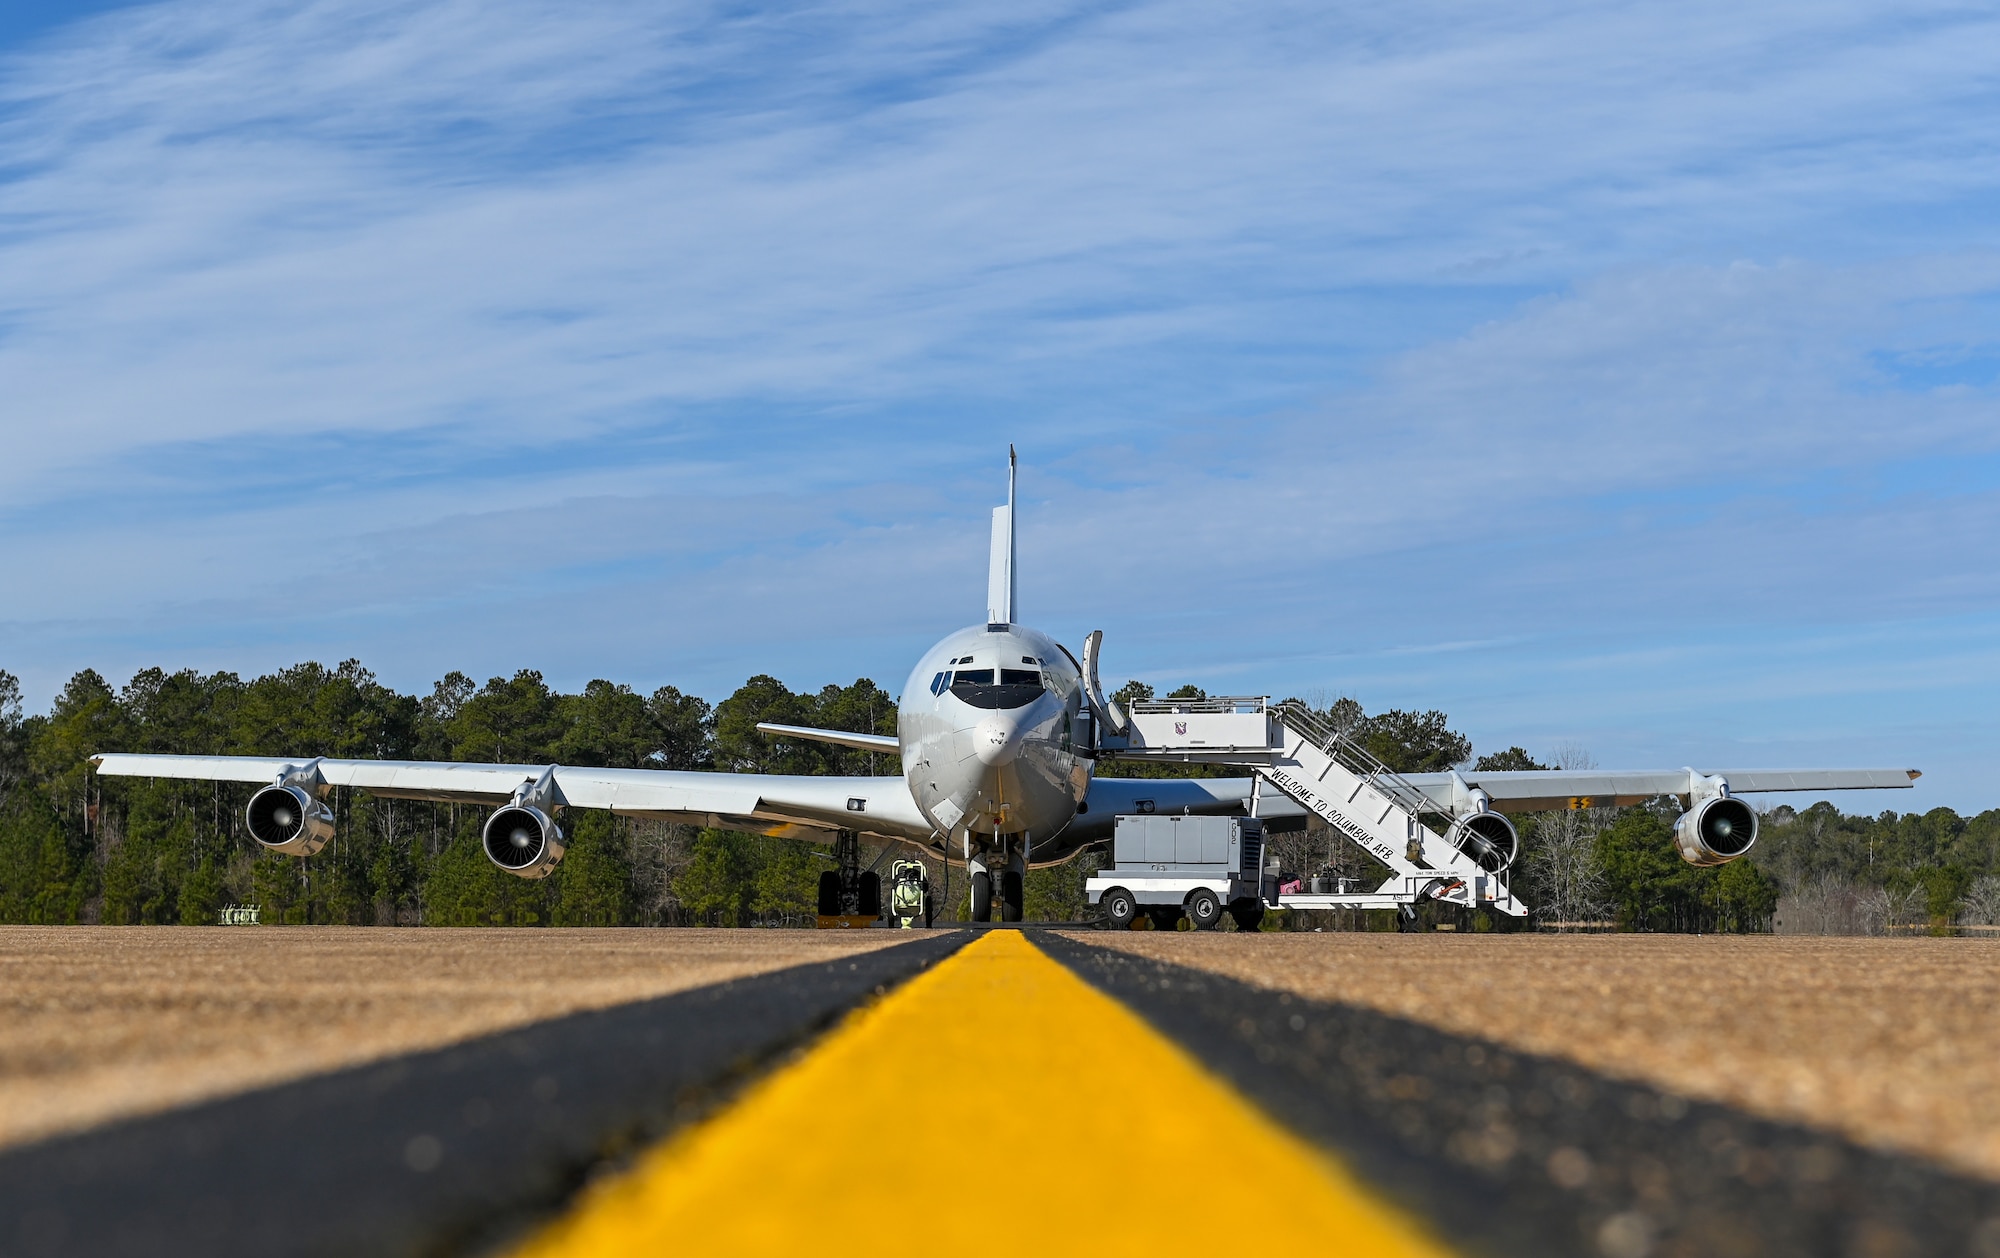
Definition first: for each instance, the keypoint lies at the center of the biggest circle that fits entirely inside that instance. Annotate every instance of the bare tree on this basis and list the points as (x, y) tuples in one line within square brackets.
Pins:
[(1908, 907), (1831, 905), (1982, 903), (1564, 875), (1570, 754), (659, 851)]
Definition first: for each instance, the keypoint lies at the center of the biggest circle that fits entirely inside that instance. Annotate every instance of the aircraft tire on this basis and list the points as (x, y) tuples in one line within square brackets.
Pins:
[(1249, 914), (1011, 896), (829, 893), (871, 893), (982, 897), (1165, 916), (1204, 909), (1120, 908)]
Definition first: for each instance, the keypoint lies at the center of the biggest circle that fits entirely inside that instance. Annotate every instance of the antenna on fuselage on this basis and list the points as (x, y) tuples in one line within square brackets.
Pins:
[(1000, 565)]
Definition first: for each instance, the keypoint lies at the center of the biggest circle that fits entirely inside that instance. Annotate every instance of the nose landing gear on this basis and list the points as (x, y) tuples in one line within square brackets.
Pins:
[(1013, 888)]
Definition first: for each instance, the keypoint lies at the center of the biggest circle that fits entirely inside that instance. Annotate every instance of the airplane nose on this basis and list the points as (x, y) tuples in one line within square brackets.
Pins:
[(997, 741)]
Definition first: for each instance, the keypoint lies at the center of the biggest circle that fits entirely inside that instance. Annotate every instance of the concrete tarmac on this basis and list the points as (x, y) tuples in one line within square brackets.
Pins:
[(1408, 1063), (444, 1151), (1505, 1153), (1889, 1042), (104, 1022)]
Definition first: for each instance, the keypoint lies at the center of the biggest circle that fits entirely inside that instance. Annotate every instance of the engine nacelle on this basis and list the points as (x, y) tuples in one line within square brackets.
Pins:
[(1488, 838), (288, 819), (523, 840), (1716, 830)]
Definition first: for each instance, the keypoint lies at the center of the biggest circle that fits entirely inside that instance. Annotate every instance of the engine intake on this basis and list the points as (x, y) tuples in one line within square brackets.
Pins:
[(287, 819), (523, 840), (1715, 831), (1488, 838)]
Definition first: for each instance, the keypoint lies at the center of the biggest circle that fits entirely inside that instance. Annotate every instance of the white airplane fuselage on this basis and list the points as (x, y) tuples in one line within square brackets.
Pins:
[(988, 726)]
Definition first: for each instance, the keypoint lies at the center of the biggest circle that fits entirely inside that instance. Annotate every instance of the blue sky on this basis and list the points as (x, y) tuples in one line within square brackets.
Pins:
[(1620, 375)]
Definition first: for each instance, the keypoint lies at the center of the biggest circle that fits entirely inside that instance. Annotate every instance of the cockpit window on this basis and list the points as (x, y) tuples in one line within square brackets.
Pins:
[(1018, 687)]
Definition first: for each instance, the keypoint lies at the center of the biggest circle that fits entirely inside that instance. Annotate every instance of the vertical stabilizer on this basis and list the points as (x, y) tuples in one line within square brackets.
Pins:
[(1000, 567)]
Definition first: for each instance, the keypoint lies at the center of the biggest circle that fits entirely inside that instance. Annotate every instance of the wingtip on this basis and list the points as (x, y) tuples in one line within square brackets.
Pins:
[(1914, 773)]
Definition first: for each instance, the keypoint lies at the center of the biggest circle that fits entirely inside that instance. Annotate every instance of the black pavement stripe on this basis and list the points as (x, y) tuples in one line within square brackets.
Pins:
[(435, 1152), (1515, 1154)]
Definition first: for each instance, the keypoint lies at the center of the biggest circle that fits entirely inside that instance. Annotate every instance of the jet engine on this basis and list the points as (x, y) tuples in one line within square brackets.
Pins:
[(1488, 838), (523, 840), (1716, 830), (287, 819)]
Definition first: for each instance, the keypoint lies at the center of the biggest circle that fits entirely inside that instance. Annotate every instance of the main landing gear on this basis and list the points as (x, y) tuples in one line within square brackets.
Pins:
[(848, 894)]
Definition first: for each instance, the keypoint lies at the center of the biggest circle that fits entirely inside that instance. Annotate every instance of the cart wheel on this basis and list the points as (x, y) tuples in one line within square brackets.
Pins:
[(1249, 914), (1120, 909), (1204, 910)]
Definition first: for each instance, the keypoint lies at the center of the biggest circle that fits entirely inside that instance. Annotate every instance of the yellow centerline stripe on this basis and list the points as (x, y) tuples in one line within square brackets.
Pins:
[(994, 1104)]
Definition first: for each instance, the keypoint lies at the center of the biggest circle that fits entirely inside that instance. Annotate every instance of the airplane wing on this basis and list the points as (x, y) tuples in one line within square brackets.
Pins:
[(1537, 790), (796, 807), (1521, 791)]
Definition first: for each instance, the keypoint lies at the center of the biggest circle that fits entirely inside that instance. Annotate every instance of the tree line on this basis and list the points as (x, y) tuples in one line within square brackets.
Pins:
[(75, 847), (78, 848)]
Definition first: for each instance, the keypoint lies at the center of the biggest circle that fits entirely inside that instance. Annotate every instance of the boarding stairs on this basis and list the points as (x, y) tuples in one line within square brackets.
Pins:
[(1426, 844)]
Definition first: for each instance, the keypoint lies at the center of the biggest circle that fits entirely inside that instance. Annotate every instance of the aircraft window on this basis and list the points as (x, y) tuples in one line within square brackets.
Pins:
[(939, 682), (1017, 689), (1029, 659)]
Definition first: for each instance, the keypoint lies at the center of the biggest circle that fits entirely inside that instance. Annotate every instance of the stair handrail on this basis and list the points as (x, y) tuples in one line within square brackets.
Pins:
[(1358, 759), (1302, 719)]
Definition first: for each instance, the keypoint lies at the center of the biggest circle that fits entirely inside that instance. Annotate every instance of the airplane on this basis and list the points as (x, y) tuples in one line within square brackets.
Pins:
[(998, 731)]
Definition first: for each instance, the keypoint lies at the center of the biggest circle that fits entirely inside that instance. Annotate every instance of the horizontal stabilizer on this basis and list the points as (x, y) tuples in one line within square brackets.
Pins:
[(841, 737)]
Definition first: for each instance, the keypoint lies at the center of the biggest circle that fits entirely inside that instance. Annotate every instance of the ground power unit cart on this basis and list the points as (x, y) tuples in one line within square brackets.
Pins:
[(1200, 867)]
